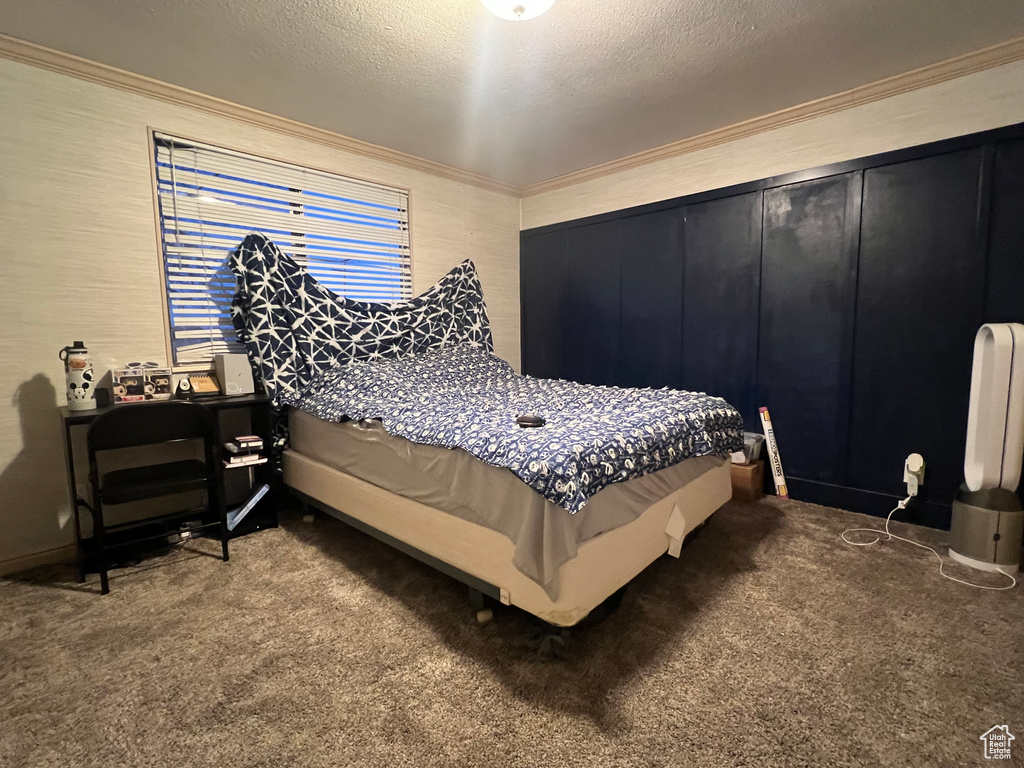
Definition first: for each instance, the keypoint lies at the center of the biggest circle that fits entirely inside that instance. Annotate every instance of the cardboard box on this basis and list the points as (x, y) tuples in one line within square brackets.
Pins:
[(747, 481)]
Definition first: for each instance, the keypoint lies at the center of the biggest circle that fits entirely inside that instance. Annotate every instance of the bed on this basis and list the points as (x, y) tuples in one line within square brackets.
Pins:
[(402, 423)]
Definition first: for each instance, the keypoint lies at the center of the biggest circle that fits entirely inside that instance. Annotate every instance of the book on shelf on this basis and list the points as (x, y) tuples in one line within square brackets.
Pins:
[(244, 458), (248, 460), (244, 444)]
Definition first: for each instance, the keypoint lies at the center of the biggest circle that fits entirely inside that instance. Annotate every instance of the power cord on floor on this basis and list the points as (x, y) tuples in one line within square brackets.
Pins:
[(942, 563)]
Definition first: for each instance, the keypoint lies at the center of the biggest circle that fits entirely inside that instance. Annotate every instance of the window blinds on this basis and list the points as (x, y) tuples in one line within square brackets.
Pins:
[(351, 236)]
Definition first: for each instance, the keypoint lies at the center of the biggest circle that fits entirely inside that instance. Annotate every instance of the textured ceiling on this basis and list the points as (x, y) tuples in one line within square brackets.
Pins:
[(590, 81)]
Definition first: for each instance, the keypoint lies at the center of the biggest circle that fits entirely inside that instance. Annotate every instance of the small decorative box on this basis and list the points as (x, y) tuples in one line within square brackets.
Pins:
[(139, 382)]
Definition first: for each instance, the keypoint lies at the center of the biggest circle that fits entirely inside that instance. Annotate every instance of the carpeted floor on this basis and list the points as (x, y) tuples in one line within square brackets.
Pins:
[(770, 643)]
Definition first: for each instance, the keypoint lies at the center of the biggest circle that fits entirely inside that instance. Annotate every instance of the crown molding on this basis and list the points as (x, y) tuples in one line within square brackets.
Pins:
[(932, 74), (84, 69)]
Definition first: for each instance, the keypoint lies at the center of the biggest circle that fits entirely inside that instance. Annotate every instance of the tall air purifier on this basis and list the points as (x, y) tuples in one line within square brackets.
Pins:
[(988, 519)]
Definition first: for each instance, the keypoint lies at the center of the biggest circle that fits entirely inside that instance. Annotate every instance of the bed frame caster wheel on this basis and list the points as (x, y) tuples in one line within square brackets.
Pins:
[(550, 643), (553, 647), (482, 604), (308, 514)]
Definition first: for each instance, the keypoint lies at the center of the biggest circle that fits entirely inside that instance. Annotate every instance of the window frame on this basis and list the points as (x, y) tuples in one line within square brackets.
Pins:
[(151, 134)]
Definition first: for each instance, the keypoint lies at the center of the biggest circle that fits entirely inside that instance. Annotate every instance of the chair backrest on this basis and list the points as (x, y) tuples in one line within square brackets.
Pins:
[(127, 426)]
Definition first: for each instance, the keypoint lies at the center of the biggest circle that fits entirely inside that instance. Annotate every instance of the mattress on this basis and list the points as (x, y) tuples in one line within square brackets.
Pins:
[(545, 536)]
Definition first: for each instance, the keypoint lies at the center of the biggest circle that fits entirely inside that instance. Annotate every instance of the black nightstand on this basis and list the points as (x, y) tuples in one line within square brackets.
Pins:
[(260, 422)]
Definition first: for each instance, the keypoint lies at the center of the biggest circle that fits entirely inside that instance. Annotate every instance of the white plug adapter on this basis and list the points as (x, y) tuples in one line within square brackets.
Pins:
[(913, 473)]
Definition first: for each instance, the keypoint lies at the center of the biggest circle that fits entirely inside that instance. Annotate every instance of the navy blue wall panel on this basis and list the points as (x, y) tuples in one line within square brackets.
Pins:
[(651, 325), (1004, 301), (543, 292), (808, 293), (591, 343), (721, 284), (920, 291)]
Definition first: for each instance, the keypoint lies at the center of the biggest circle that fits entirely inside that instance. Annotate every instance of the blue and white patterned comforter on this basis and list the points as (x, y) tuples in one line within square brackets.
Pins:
[(465, 397)]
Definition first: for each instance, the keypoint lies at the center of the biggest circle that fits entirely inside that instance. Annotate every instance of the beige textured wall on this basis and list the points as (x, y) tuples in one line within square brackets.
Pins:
[(78, 258), (977, 102)]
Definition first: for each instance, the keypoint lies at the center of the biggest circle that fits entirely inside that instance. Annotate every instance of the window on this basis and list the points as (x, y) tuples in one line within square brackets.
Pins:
[(351, 236)]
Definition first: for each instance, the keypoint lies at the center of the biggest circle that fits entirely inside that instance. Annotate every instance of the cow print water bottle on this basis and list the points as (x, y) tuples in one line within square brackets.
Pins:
[(81, 387)]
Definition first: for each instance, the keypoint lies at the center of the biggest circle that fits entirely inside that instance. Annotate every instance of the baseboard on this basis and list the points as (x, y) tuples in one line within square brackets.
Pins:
[(64, 554), (919, 512)]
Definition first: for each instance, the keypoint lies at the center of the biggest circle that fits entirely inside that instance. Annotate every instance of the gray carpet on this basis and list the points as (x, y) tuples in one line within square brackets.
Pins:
[(769, 644)]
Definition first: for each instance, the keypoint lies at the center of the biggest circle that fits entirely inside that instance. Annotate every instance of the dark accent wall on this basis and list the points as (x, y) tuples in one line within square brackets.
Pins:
[(844, 298)]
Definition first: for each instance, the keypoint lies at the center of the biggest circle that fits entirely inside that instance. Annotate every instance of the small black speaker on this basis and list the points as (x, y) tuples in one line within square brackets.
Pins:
[(529, 420)]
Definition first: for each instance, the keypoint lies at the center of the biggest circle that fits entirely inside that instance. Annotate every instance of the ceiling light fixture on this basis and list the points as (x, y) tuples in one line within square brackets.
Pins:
[(517, 10)]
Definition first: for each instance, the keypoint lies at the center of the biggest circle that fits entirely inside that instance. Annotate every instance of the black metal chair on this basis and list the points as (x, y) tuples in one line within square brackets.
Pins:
[(131, 426)]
